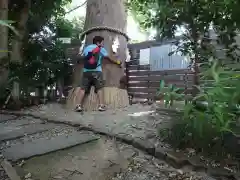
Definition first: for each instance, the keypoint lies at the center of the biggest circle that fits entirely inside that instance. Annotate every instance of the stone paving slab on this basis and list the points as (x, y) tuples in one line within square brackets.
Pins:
[(44, 146), (4, 117), (11, 172), (19, 122), (15, 132)]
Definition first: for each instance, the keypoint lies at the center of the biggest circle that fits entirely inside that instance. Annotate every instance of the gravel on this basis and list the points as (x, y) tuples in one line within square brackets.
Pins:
[(145, 167), (56, 131), (3, 175), (21, 121)]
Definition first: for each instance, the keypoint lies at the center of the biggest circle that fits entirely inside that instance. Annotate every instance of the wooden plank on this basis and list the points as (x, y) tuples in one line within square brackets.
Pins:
[(139, 73), (155, 83), (138, 100), (142, 90), (141, 95), (154, 90), (172, 72), (143, 98), (138, 67), (189, 77), (142, 84), (158, 78), (134, 61), (139, 78), (160, 73), (189, 83)]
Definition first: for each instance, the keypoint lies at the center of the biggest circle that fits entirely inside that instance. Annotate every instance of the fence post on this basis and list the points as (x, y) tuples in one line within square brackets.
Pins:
[(185, 87), (196, 77), (148, 84), (127, 81)]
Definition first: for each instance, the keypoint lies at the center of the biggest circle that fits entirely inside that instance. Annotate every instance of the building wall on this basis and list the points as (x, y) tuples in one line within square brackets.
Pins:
[(157, 55), (144, 56), (160, 59)]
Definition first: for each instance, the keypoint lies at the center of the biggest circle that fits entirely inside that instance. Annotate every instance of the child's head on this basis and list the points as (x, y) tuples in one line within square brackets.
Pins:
[(98, 40)]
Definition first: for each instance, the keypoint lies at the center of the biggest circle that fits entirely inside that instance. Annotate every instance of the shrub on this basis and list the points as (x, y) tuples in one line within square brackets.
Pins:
[(169, 94), (212, 114)]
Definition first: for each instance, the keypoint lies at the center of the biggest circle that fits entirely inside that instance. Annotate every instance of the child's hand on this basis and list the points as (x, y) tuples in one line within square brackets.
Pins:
[(119, 63)]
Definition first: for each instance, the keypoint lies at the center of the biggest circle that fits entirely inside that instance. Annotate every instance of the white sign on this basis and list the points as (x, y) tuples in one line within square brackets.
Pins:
[(65, 40), (115, 45), (144, 56), (128, 57)]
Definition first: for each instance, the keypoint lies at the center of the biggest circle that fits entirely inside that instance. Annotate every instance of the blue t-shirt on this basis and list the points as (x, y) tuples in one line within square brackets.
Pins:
[(103, 53)]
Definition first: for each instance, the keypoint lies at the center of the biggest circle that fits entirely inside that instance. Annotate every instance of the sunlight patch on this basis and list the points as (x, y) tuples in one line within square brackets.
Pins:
[(143, 113)]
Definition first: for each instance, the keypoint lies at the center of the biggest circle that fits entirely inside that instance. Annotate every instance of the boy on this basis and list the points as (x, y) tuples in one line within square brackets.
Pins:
[(92, 71)]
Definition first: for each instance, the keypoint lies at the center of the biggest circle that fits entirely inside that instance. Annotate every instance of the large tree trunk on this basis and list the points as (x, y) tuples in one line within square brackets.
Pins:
[(3, 43), (17, 43), (111, 14)]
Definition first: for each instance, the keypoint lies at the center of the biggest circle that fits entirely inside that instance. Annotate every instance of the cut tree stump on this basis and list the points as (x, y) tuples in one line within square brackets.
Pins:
[(114, 98)]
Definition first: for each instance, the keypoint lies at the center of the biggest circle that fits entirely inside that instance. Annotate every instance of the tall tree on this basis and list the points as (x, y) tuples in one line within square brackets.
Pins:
[(29, 20), (113, 15), (3, 42), (17, 42), (196, 17)]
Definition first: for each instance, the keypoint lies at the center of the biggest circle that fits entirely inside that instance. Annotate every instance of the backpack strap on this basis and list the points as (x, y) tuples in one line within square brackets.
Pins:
[(93, 53)]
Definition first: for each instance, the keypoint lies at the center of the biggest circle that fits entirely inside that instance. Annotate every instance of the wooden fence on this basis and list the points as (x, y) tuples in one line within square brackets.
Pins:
[(144, 83)]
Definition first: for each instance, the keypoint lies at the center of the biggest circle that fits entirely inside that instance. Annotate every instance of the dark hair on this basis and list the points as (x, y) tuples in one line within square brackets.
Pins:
[(98, 39)]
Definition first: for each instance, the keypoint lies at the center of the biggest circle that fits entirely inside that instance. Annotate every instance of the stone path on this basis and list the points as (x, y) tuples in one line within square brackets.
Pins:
[(43, 146), (4, 117), (106, 158), (121, 122), (17, 132)]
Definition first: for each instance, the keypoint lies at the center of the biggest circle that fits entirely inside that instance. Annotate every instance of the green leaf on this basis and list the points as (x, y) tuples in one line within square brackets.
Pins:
[(162, 84), (7, 23)]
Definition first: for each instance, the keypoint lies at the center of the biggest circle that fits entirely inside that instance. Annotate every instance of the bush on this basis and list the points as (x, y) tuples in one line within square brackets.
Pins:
[(169, 94), (212, 115)]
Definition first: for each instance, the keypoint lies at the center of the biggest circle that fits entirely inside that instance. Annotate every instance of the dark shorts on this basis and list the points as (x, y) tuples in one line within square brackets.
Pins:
[(90, 79)]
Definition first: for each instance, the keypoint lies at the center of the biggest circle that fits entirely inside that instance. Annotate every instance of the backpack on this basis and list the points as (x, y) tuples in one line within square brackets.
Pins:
[(92, 58)]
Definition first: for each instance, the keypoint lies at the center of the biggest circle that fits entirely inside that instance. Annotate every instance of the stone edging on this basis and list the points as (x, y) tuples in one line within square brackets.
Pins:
[(158, 152)]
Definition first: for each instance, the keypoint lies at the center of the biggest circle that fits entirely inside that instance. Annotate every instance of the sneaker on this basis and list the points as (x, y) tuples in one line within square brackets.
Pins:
[(101, 108), (78, 108)]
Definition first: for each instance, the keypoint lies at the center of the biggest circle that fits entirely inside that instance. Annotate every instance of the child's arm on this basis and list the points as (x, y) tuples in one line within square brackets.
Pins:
[(113, 61), (106, 56)]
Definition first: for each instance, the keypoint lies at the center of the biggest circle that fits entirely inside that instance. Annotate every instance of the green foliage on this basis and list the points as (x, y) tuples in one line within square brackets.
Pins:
[(194, 19), (213, 113), (8, 24), (66, 28), (169, 94), (46, 62)]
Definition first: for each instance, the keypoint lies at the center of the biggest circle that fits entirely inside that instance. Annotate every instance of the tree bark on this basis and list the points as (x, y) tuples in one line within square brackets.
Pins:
[(3, 43), (17, 43), (111, 14)]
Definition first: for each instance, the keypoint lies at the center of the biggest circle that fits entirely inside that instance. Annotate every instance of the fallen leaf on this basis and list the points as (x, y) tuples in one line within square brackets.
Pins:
[(29, 175)]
